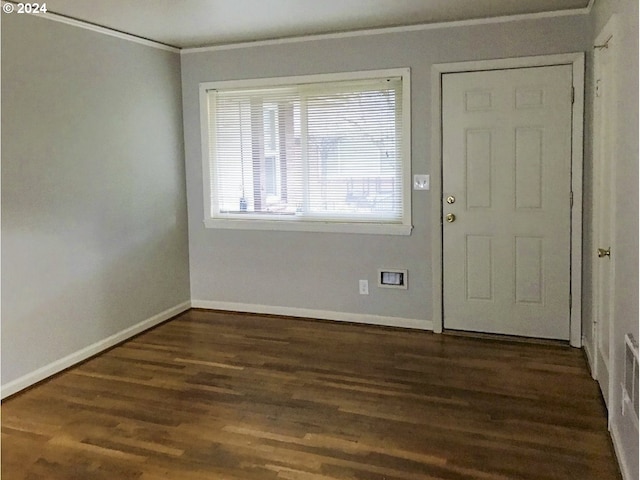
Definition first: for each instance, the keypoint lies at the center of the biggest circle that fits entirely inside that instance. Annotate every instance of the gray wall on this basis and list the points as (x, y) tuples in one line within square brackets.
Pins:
[(321, 271), (94, 229), (625, 246), (94, 224)]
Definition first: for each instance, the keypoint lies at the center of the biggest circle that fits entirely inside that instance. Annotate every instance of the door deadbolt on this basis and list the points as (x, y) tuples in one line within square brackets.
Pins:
[(450, 217), (451, 199)]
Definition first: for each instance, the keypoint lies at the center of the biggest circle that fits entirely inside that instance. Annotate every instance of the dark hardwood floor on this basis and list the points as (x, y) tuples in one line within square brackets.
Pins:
[(214, 395)]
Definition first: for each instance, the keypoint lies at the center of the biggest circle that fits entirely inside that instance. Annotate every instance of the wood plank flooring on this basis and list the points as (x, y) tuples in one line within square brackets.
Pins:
[(215, 395)]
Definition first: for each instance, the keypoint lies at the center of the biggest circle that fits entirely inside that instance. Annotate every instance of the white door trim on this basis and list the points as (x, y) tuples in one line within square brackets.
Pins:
[(437, 70), (609, 32)]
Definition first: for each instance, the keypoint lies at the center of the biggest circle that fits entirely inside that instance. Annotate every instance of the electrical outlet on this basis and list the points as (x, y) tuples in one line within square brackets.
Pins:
[(364, 287)]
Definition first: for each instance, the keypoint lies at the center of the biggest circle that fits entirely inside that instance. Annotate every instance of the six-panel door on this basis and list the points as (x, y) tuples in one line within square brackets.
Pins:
[(507, 165)]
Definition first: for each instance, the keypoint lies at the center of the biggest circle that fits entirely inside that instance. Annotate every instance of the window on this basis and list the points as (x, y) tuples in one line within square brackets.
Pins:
[(319, 153)]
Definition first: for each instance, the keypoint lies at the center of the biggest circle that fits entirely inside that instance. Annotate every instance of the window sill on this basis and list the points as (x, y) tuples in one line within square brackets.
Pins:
[(309, 226)]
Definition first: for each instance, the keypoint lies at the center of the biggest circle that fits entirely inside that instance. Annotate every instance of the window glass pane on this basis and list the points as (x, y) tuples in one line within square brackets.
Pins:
[(352, 149), (329, 151)]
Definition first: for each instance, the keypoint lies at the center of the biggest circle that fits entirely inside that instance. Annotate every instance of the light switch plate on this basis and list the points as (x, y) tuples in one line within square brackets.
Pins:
[(421, 182)]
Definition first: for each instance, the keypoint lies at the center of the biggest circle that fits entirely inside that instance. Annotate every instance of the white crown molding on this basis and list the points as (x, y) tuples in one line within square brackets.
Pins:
[(99, 29), (308, 38), (386, 30)]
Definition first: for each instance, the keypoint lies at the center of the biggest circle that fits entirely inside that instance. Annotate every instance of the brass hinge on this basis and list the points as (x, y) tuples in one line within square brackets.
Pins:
[(573, 95)]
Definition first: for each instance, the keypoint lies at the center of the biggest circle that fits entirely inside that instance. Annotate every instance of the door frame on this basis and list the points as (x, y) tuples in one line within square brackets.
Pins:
[(592, 348), (576, 60)]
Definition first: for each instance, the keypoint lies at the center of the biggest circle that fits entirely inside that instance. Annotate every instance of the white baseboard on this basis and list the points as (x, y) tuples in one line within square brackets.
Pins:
[(590, 358), (620, 454), (87, 352), (311, 313)]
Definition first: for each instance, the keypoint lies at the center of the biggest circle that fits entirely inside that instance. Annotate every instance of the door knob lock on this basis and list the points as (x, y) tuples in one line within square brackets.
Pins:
[(604, 252), (450, 217)]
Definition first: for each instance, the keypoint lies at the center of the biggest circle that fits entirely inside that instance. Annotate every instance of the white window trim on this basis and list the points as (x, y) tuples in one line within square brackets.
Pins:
[(307, 224)]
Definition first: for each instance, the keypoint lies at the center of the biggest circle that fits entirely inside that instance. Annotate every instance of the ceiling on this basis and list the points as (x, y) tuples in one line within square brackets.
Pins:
[(195, 23)]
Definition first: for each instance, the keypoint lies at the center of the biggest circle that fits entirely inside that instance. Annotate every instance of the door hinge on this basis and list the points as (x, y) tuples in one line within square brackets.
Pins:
[(573, 95), (571, 199)]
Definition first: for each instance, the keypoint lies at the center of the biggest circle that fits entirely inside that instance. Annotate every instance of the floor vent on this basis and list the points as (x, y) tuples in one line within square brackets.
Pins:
[(630, 384)]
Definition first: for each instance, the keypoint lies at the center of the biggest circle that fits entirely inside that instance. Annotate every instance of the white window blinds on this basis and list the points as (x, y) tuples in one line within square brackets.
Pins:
[(326, 152)]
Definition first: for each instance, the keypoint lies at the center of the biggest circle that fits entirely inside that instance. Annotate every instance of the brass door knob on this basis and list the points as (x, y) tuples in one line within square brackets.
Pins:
[(450, 217), (604, 252)]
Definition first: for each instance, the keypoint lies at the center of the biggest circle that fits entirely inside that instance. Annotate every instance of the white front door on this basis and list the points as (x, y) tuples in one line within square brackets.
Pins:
[(604, 164), (506, 141)]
